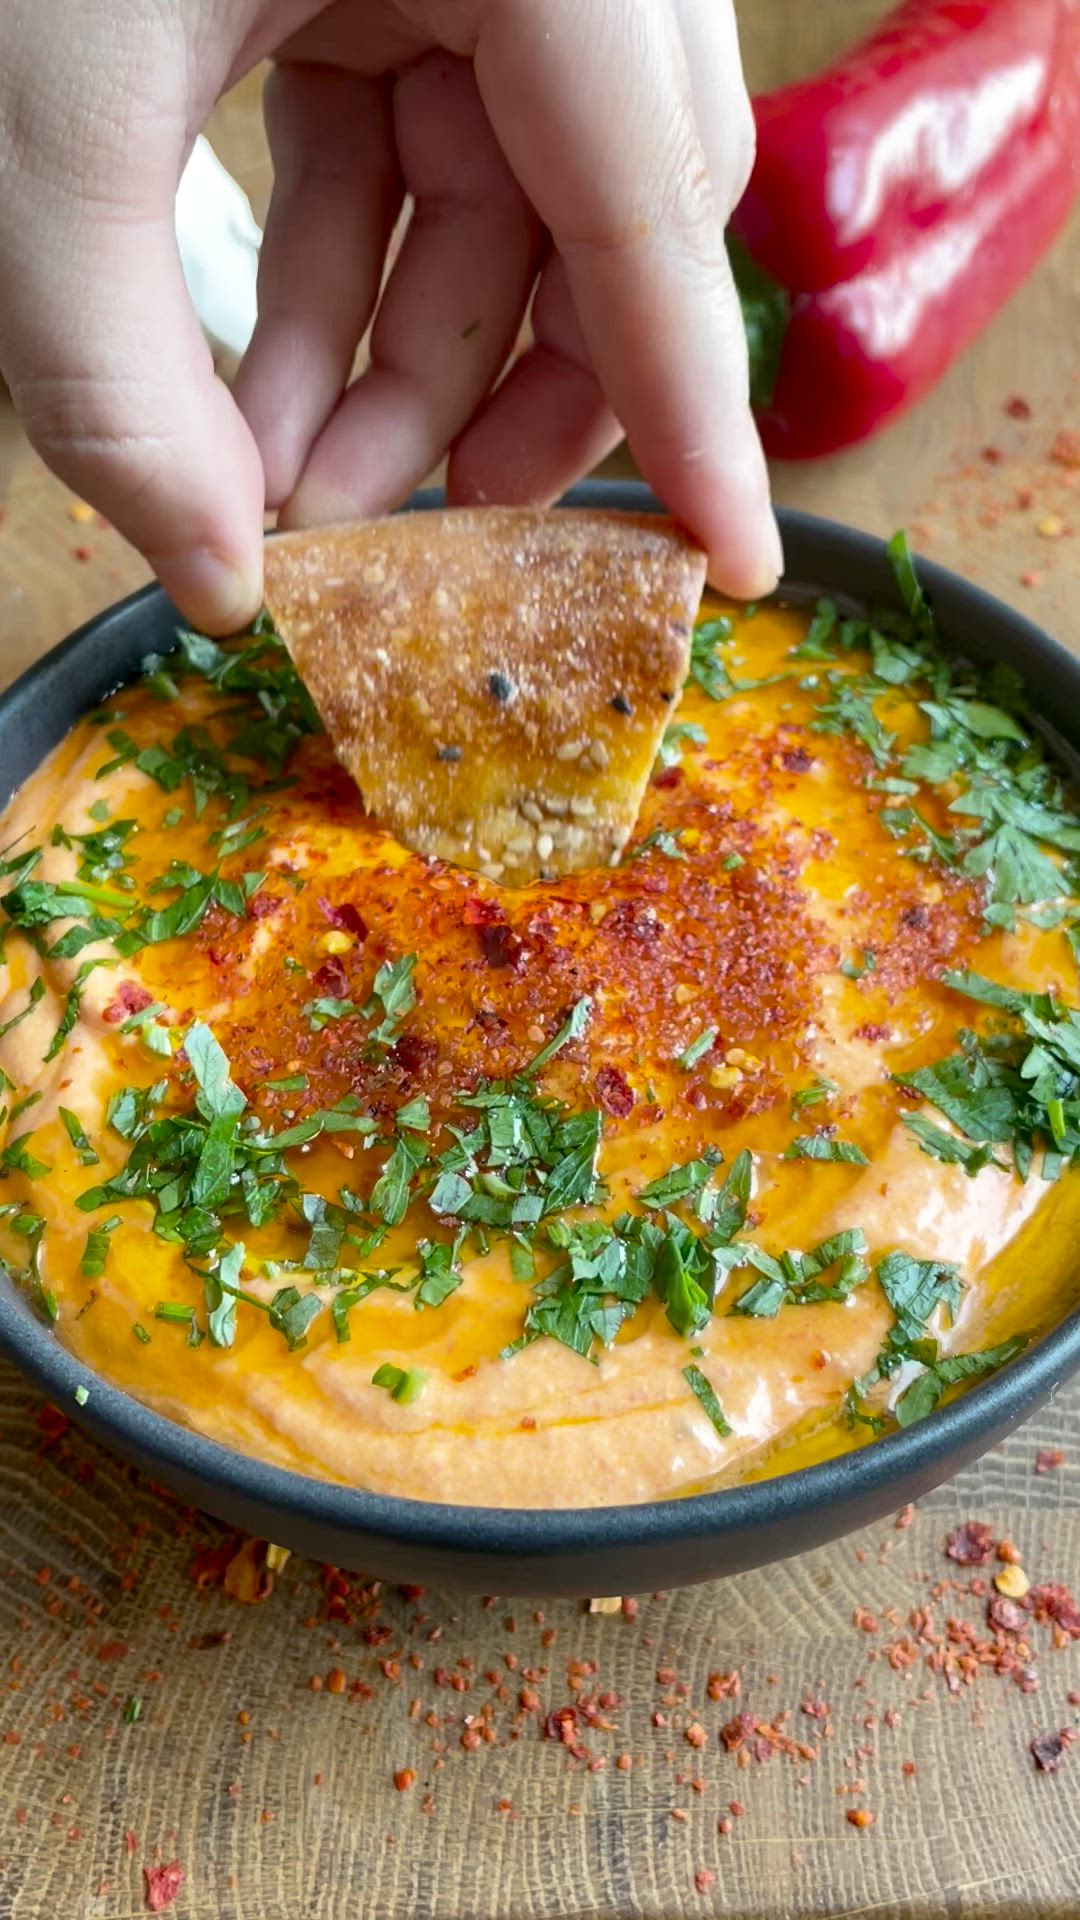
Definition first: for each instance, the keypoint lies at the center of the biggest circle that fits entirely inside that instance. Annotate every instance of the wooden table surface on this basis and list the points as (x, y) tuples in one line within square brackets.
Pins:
[(267, 1739)]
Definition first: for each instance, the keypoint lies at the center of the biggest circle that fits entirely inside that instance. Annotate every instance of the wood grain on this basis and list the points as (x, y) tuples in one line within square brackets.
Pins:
[(97, 1603)]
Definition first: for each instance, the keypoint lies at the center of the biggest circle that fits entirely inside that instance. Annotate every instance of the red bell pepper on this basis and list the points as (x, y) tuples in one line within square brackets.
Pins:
[(897, 200)]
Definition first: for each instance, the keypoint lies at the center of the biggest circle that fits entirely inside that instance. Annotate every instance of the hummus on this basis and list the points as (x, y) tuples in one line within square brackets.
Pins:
[(366, 1166)]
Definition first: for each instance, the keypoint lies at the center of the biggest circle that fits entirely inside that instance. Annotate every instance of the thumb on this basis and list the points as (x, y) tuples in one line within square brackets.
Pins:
[(116, 388)]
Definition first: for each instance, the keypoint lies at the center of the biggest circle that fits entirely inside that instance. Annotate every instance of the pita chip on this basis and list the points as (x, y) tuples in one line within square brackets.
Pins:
[(496, 680)]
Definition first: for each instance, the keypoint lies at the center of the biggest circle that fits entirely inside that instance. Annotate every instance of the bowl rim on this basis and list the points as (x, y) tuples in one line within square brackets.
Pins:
[(920, 1451)]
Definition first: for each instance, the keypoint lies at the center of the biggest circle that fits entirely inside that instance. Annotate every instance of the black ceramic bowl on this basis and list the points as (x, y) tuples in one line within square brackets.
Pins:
[(504, 1550)]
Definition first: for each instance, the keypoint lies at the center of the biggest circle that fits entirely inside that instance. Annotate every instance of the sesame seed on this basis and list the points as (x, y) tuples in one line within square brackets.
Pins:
[(1012, 1581)]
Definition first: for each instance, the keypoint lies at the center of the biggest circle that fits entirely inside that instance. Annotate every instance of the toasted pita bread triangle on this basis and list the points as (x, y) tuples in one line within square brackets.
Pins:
[(496, 680)]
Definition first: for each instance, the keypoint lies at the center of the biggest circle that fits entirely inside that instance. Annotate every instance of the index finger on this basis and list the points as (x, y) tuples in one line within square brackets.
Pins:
[(592, 106)]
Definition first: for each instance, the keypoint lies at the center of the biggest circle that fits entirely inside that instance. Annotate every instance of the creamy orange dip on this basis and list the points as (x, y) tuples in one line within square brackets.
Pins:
[(733, 1002)]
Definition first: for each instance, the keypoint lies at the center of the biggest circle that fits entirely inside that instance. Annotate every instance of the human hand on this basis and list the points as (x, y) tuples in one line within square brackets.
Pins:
[(600, 147)]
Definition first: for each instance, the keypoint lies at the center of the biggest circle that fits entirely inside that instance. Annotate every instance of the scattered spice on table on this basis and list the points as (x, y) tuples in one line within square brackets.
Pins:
[(162, 1885), (983, 1613), (1025, 485), (1048, 1749)]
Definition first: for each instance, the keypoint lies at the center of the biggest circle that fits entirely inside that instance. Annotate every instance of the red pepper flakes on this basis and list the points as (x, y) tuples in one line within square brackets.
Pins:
[(724, 1686), (331, 978), (1055, 1604), (695, 1735), (1017, 407), (615, 1095), (129, 998), (1065, 449), (336, 1680), (971, 1545), (1048, 1749), (162, 1885), (1048, 1459), (501, 946), (705, 1879), (259, 907), (404, 1778), (52, 1425), (859, 1817), (346, 919)]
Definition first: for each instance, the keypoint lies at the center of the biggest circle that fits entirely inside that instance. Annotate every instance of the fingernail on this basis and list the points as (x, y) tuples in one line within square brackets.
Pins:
[(215, 596), (755, 570)]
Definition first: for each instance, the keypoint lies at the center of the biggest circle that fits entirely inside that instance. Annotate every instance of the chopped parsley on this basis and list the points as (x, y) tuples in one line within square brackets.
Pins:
[(1015, 1087), (709, 672), (941, 1371), (17, 1158), (76, 1133), (811, 1096), (680, 1183), (798, 1279), (681, 733), (96, 1250), (572, 1029), (37, 989), (819, 1146), (916, 1289), (1014, 828), (703, 1393), (392, 997), (660, 840), (403, 1384), (321, 1012), (697, 1049)]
